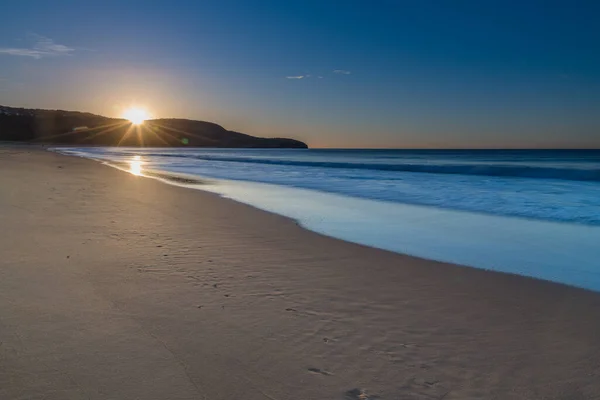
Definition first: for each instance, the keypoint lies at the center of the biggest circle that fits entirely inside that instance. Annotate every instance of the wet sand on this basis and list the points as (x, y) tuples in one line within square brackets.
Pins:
[(115, 286)]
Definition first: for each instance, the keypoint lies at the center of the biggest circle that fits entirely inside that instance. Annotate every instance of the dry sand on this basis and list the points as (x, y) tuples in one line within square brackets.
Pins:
[(114, 286)]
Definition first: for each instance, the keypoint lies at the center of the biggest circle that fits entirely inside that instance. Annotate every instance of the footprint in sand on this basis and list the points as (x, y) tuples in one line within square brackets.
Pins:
[(320, 371)]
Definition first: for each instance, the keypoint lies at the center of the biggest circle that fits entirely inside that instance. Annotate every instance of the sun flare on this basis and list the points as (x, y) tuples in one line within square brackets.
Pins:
[(136, 115)]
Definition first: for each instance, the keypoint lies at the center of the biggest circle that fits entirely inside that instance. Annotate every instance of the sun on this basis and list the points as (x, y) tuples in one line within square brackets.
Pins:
[(136, 115)]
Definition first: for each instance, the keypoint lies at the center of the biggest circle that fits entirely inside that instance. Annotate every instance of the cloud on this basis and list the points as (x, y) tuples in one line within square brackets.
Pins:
[(297, 77), (42, 47), (341, 71)]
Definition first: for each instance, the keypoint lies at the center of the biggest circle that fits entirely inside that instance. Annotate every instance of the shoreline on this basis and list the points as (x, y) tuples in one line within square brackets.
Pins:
[(498, 251), (112, 286)]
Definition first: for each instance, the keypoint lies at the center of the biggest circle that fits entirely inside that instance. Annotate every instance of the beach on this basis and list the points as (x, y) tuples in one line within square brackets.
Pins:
[(116, 286)]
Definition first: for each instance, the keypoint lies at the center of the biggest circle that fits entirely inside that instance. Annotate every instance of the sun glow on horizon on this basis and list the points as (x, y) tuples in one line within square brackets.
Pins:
[(136, 115)]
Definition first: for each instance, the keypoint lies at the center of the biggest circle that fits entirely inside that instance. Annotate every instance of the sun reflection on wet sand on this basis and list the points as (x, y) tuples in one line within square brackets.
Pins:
[(135, 165)]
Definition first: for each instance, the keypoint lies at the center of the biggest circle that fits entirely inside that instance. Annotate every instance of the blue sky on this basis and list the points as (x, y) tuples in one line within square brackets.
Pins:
[(377, 73)]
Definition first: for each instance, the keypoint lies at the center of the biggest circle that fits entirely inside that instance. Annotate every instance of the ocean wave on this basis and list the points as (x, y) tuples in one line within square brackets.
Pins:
[(448, 185), (496, 170)]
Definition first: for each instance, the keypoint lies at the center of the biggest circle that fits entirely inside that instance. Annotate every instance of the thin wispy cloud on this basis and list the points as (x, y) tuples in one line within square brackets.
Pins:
[(42, 47), (341, 71), (296, 77)]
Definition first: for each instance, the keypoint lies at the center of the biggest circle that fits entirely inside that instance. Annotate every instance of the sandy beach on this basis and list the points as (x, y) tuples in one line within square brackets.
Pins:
[(115, 286)]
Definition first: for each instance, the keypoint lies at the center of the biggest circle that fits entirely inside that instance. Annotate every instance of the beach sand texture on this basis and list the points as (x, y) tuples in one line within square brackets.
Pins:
[(114, 286)]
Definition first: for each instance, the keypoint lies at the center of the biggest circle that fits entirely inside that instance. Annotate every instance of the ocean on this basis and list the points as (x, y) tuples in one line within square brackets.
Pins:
[(529, 212)]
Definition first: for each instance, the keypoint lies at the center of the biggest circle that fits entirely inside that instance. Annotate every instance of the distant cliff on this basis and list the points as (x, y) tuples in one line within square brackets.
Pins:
[(77, 128)]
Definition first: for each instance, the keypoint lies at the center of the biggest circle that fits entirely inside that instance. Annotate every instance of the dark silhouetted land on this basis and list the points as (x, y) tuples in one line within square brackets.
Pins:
[(82, 129)]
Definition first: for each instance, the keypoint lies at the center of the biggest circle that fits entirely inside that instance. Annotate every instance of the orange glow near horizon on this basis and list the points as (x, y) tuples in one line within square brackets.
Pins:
[(136, 115)]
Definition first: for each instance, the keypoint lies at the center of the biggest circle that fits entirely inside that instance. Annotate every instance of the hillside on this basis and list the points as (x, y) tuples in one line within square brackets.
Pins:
[(77, 128)]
